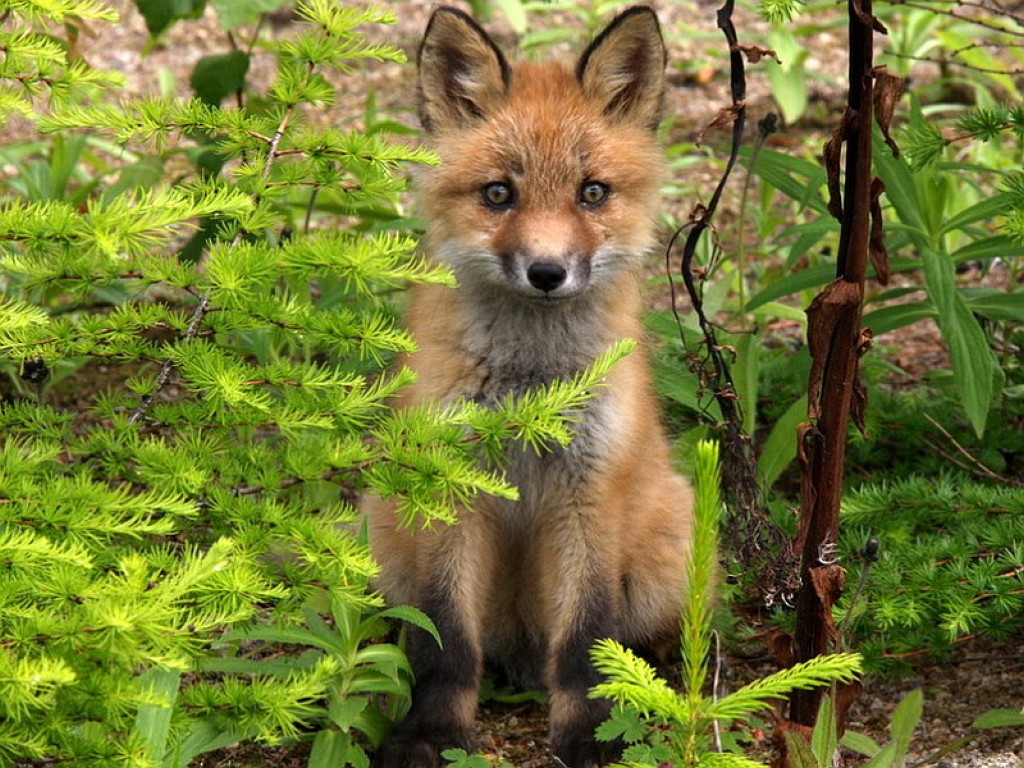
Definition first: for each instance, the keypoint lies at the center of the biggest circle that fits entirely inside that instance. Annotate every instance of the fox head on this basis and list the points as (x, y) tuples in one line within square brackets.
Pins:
[(549, 171)]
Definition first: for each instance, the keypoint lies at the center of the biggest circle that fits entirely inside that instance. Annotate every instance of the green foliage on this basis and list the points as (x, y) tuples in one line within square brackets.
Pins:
[(951, 565), (786, 75), (662, 726), (459, 758), (999, 718), (194, 387), (905, 719), (940, 224)]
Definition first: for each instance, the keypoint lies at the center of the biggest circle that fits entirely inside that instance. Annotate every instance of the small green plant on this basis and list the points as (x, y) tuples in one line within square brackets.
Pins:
[(662, 726), (905, 719), (820, 750), (459, 758)]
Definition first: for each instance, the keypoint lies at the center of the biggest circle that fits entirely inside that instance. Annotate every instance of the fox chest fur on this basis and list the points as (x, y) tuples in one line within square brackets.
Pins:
[(542, 207)]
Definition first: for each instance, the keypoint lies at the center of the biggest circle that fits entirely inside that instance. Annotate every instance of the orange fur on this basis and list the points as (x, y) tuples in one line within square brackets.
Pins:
[(596, 546)]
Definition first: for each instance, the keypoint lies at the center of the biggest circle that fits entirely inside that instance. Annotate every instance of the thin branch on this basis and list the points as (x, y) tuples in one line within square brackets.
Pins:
[(964, 17), (987, 7), (978, 466), (755, 536), (203, 307), (964, 64), (922, 651)]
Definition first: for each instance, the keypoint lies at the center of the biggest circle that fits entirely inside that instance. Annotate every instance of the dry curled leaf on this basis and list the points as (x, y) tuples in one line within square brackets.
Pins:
[(832, 155), (876, 242), (887, 93), (832, 309), (755, 53), (867, 19), (828, 582), (725, 117)]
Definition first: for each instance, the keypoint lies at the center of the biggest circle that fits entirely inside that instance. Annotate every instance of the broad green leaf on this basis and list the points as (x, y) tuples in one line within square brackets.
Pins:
[(976, 371), (780, 447), (901, 190), (217, 77), (65, 157), (203, 736), (905, 718), (383, 653), (817, 275), (287, 635), (153, 721), (811, 277), (823, 737), (677, 382), (280, 666), (897, 316), (776, 309), (374, 724), (861, 743), (788, 79), (161, 14), (806, 237), (798, 751), (344, 711), (994, 304), (999, 718), (985, 210), (234, 13), (745, 374), (997, 246), (414, 616), (887, 757), (794, 177), (333, 748)]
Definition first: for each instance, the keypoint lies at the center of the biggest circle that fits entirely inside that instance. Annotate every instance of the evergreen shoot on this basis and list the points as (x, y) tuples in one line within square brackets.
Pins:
[(950, 565), (665, 727)]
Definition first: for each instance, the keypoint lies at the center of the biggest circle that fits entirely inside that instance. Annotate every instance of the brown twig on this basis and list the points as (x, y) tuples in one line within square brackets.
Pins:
[(964, 17), (979, 468), (754, 536), (964, 64), (203, 306), (836, 342)]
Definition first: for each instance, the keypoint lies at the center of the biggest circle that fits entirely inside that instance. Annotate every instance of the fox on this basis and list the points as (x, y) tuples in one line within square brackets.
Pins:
[(543, 207)]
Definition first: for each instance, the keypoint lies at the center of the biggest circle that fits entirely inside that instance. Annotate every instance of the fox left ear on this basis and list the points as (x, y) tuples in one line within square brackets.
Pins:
[(462, 73), (624, 67)]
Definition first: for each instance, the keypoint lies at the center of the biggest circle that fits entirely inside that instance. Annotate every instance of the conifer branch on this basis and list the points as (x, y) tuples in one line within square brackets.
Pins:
[(203, 305)]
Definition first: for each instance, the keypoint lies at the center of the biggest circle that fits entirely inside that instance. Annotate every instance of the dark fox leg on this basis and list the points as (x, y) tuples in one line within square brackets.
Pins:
[(590, 611), (444, 696)]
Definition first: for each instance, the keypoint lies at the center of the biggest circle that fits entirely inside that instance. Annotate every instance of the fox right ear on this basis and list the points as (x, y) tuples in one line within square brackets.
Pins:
[(624, 68), (462, 74)]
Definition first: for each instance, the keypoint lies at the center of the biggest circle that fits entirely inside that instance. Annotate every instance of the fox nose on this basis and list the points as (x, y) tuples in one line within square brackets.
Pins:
[(546, 276)]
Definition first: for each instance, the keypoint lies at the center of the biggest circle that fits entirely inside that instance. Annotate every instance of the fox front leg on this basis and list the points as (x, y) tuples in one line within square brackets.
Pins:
[(444, 695), (590, 611)]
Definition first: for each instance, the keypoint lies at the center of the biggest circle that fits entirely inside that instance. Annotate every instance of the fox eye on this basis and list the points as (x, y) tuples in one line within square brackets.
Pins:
[(498, 195), (593, 193)]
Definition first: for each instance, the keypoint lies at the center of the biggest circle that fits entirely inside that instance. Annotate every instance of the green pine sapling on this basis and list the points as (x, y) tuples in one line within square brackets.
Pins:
[(662, 726)]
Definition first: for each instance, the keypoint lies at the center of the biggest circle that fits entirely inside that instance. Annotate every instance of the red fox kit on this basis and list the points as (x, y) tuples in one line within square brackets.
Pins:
[(542, 206)]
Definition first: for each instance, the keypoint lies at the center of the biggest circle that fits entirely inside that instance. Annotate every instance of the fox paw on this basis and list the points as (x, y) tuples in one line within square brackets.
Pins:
[(399, 752), (584, 753)]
